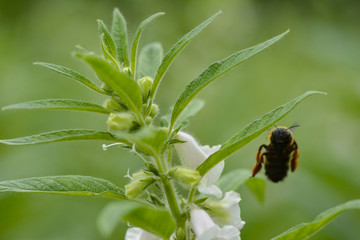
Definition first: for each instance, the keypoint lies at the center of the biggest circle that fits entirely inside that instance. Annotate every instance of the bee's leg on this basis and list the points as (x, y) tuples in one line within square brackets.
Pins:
[(295, 156), (259, 160)]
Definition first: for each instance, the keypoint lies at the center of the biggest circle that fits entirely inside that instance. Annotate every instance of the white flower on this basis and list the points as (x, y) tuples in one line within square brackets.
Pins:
[(193, 155), (226, 211), (140, 234), (206, 229)]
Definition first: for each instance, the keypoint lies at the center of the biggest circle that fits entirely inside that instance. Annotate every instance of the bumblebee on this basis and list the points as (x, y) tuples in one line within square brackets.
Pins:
[(281, 152)]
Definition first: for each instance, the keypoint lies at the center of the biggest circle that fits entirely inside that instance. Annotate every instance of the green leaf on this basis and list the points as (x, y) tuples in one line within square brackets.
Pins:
[(72, 74), (119, 34), (154, 220), (231, 181), (107, 54), (109, 44), (250, 132), (61, 136), (214, 71), (136, 40), (59, 104), (257, 187), (127, 89), (306, 230), (149, 60), (174, 51), (71, 185), (150, 139)]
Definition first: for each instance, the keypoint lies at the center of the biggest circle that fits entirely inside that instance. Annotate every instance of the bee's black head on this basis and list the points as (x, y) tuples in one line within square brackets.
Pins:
[(281, 135)]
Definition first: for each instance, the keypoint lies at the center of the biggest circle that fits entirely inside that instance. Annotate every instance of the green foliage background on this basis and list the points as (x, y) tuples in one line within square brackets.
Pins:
[(320, 53)]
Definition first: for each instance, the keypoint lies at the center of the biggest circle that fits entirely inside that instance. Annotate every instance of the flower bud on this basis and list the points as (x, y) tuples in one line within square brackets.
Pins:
[(113, 104), (186, 176), (154, 110), (120, 121), (106, 88), (140, 182), (145, 84), (148, 120), (126, 71)]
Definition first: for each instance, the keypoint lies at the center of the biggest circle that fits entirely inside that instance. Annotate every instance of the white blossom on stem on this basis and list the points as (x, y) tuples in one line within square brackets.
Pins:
[(226, 211), (205, 229), (135, 233), (193, 155)]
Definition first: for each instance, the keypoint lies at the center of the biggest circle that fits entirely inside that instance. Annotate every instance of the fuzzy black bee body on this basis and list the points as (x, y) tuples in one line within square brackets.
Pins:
[(281, 153)]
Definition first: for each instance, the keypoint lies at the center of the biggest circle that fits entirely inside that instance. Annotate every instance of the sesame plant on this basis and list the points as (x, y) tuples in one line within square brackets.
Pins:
[(180, 193)]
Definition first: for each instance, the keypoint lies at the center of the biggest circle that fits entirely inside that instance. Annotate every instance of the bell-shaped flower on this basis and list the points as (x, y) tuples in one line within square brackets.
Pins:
[(226, 211), (193, 155), (205, 229), (140, 234)]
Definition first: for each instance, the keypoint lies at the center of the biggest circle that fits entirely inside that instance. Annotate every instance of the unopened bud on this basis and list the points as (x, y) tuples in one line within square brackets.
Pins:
[(140, 182), (113, 104), (106, 88), (186, 176), (148, 120), (120, 121), (154, 110), (126, 71), (145, 84)]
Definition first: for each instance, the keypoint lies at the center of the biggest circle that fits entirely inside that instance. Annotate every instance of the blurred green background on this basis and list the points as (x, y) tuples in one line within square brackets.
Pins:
[(322, 52)]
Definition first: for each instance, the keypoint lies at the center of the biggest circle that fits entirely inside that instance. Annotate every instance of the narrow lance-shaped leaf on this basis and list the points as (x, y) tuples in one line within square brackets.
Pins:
[(174, 51), (149, 60), (127, 89), (59, 104), (136, 40), (306, 230), (61, 136), (109, 44), (71, 74), (154, 220), (214, 71), (250, 132), (231, 181), (71, 185), (107, 54), (119, 35)]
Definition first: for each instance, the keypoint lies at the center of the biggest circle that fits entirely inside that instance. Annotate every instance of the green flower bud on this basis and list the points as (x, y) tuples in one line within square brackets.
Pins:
[(120, 121), (145, 84), (186, 176), (106, 88), (148, 120), (126, 71), (113, 104), (140, 182), (154, 110)]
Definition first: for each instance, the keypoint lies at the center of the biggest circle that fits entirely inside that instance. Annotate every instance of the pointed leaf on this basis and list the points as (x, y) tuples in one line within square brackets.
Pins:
[(250, 132), (107, 54), (59, 104), (61, 136), (231, 181), (136, 40), (109, 44), (257, 187), (306, 230), (150, 139), (127, 89), (119, 34), (72, 74), (214, 71), (149, 60), (71, 185), (154, 220), (174, 51)]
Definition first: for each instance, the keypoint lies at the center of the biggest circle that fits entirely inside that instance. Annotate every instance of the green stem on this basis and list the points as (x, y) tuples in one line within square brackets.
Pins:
[(191, 195)]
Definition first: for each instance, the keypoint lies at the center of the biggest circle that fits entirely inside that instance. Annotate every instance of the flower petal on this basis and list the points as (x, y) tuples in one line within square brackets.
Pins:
[(139, 234)]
